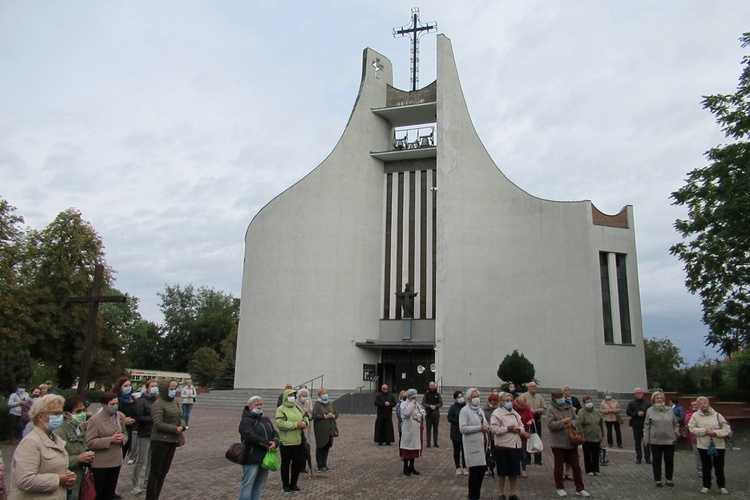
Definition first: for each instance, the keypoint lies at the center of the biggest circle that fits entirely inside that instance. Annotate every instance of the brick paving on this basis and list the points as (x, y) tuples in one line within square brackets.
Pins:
[(362, 470)]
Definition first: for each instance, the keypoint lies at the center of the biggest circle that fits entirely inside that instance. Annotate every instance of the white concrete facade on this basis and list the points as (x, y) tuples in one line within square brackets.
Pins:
[(512, 271)]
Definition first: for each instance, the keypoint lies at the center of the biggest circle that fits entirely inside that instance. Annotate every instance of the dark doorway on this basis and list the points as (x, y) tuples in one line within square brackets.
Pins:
[(403, 369)]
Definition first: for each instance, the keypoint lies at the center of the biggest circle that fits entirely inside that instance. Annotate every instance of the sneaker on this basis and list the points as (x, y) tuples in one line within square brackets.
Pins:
[(583, 493), (538, 463), (187, 427), (466, 472), (670, 484), (320, 469), (136, 491), (524, 475), (658, 484), (286, 489), (597, 473), (131, 461), (459, 472), (562, 493), (590, 474), (325, 469), (724, 491), (704, 491)]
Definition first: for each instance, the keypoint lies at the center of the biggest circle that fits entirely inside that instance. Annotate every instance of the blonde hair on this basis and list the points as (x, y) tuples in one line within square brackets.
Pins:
[(42, 405), (321, 391), (656, 393)]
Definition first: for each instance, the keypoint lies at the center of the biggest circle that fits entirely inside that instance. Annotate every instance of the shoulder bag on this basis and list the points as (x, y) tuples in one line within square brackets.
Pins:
[(236, 453), (534, 443)]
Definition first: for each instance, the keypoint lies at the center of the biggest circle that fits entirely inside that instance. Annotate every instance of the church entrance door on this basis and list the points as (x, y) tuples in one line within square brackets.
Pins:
[(411, 368)]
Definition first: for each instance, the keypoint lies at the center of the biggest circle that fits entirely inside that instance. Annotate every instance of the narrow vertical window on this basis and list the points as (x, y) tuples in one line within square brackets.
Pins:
[(622, 294), (609, 337)]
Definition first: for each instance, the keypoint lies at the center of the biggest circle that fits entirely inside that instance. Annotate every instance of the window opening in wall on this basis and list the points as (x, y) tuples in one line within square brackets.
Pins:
[(609, 336), (622, 294), (414, 137)]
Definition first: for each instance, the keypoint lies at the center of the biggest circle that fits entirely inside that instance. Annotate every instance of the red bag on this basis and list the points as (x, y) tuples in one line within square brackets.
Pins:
[(87, 491)]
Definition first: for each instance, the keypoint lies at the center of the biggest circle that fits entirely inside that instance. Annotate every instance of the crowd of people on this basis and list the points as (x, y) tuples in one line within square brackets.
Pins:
[(66, 446)]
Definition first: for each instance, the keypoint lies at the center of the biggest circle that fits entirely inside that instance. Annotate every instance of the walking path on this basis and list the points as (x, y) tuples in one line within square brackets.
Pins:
[(362, 470)]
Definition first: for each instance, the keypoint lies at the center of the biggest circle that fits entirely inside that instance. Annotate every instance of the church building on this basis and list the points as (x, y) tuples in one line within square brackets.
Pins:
[(407, 256)]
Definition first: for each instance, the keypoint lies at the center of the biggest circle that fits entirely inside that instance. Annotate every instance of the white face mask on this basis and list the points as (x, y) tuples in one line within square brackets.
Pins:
[(460, 401), (475, 402), (291, 399), (302, 399)]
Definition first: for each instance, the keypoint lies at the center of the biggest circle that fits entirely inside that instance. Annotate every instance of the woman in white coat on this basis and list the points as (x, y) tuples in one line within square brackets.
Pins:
[(473, 425), (413, 415)]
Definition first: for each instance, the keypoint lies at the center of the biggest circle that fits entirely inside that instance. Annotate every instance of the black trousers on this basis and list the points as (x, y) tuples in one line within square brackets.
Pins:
[(321, 455), (292, 462), (641, 451), (616, 426), (476, 476), (105, 482), (432, 420), (718, 465), (657, 452), (458, 454), (161, 455), (591, 456)]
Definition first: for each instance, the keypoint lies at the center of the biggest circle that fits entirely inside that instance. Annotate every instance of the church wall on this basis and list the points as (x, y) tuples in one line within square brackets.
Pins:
[(514, 271), (313, 257)]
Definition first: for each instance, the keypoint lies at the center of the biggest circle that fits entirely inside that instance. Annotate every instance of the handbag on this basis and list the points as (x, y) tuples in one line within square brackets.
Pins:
[(712, 451), (87, 490), (534, 443), (684, 431), (272, 461), (603, 458), (181, 439), (575, 436), (236, 453)]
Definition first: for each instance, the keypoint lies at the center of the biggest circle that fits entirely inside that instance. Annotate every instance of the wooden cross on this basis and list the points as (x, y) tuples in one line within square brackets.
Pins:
[(414, 31), (93, 300)]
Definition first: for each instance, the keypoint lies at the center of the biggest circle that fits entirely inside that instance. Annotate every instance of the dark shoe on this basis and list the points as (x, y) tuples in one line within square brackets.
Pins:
[(502, 497), (387, 444), (295, 488), (437, 445), (428, 445), (325, 469), (380, 444), (648, 462), (407, 472), (638, 461), (320, 469), (513, 497), (538, 463), (414, 471), (117, 496), (670, 484), (658, 484), (286, 489)]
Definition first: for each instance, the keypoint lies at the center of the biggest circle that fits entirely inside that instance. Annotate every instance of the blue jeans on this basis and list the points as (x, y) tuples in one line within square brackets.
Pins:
[(253, 479), (186, 409)]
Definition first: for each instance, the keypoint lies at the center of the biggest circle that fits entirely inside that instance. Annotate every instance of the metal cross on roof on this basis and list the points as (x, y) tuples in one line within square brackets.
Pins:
[(415, 30)]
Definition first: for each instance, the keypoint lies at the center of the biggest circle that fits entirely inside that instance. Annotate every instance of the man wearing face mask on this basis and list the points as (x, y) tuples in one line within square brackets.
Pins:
[(291, 421), (431, 402)]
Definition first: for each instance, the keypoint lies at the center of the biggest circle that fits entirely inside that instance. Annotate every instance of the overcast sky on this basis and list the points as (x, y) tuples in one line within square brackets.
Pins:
[(170, 124)]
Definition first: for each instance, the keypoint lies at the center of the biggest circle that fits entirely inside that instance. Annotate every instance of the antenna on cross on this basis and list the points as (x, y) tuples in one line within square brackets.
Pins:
[(415, 30)]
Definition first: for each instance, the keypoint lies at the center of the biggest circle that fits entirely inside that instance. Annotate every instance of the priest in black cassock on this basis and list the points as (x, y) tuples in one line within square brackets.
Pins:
[(386, 402)]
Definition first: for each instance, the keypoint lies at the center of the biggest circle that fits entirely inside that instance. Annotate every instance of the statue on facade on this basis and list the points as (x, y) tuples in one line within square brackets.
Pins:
[(407, 301)]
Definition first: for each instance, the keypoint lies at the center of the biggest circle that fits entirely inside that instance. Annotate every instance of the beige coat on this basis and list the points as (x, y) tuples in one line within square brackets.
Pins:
[(37, 464), (610, 410), (713, 421), (99, 430)]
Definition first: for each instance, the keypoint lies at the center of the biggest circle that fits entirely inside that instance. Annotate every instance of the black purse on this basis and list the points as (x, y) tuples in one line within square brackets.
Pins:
[(236, 453)]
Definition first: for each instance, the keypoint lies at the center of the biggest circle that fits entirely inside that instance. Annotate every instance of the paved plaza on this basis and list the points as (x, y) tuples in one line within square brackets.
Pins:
[(362, 470)]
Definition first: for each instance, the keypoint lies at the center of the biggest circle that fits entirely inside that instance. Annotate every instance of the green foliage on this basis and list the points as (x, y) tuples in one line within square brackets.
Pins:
[(697, 379), (663, 364), (205, 366), (195, 318), (734, 374), (15, 367), (516, 368), (143, 348), (716, 253)]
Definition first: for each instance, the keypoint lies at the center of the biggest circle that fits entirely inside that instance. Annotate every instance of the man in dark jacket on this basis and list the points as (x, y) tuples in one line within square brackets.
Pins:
[(259, 436), (636, 410), (431, 402), (385, 401)]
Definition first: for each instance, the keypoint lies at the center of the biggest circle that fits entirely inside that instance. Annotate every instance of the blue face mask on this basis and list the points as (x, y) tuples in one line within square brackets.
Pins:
[(589, 405), (154, 390), (55, 421), (560, 401), (172, 393), (324, 397), (257, 411), (126, 391), (508, 405)]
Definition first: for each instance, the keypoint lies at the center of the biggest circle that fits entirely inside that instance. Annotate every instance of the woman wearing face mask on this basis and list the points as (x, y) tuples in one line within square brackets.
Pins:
[(610, 410), (304, 404), (167, 425), (126, 405), (40, 462), (708, 426), (324, 417), (507, 427), (560, 416), (144, 425), (259, 436), (410, 444), (291, 421), (72, 433), (106, 435), (459, 458), (474, 427), (592, 426), (660, 431)]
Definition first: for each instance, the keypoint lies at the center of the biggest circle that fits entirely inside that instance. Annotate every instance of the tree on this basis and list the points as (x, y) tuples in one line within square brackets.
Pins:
[(143, 346), (205, 366), (516, 368), (717, 251), (663, 364), (195, 318)]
